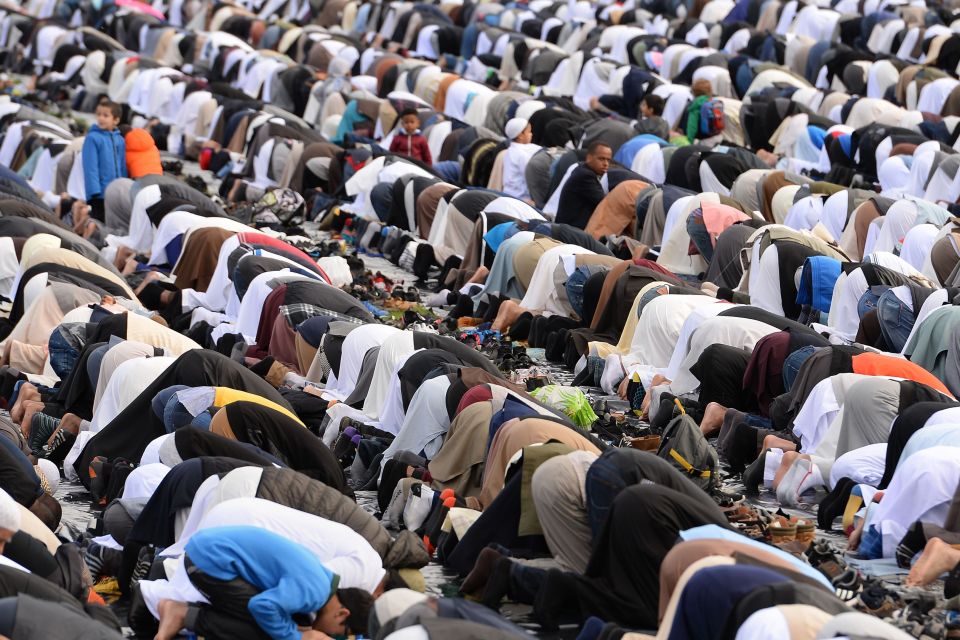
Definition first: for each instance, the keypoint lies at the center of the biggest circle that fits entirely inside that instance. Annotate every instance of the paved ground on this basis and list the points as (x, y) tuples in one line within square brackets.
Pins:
[(77, 514)]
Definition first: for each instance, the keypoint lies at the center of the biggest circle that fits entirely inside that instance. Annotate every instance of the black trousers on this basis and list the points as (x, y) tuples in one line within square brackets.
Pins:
[(227, 615)]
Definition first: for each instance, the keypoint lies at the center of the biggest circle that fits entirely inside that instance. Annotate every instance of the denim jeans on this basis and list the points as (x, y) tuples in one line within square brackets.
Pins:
[(159, 402), (604, 483), (448, 170), (758, 422), (574, 287), (896, 320), (699, 235), (95, 361), (791, 365), (525, 582), (175, 416), (868, 301), (381, 197), (871, 544), (63, 354)]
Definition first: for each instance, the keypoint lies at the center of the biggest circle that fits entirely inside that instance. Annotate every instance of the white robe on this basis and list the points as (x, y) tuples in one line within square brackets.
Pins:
[(921, 489), (659, 326), (355, 346), (740, 333), (338, 547), (426, 421), (391, 351)]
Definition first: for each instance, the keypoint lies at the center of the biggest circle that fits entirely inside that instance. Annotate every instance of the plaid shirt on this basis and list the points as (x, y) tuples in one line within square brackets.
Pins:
[(300, 311)]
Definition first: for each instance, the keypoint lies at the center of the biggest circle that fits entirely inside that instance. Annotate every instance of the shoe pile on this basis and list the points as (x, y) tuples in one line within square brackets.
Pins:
[(418, 508), (509, 356), (790, 533), (847, 581)]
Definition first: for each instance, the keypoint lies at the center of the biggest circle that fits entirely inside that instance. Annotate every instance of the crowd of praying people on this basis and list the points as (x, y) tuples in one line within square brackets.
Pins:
[(636, 318)]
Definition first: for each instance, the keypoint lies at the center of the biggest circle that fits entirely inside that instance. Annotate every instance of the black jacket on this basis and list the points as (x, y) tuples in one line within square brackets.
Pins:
[(580, 196)]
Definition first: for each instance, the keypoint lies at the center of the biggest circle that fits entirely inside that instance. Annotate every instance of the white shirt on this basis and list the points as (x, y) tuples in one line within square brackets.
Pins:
[(339, 548), (514, 169)]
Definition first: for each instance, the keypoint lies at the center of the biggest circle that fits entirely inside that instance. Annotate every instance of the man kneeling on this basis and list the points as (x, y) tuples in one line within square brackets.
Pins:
[(246, 582)]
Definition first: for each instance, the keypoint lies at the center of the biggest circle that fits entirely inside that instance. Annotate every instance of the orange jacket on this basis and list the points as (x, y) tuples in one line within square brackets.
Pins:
[(143, 157), (878, 364)]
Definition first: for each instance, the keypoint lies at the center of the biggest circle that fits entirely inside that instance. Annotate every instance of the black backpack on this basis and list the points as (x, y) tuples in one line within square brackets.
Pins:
[(684, 447)]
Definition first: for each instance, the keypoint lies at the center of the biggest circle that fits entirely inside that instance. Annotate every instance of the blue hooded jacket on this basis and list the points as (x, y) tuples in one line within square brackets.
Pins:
[(104, 160)]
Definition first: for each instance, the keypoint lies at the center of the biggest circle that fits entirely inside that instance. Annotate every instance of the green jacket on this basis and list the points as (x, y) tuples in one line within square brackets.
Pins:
[(693, 117)]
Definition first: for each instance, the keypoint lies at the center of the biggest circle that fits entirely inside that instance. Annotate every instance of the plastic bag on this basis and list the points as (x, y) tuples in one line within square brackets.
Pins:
[(570, 400)]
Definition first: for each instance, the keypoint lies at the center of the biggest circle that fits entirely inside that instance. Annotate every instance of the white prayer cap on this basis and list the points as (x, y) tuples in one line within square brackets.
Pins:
[(50, 474), (9, 512), (394, 602), (515, 127)]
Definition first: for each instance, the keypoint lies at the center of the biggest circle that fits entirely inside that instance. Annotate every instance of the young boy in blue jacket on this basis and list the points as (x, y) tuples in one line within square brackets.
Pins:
[(104, 155), (260, 585)]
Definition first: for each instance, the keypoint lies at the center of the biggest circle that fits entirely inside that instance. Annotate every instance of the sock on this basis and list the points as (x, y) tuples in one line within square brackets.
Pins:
[(463, 308), (799, 476), (812, 480), (263, 367), (832, 506), (951, 585), (520, 329), (771, 462), (492, 309), (438, 299), (753, 475), (418, 505), (433, 526), (391, 515), (911, 544), (591, 629)]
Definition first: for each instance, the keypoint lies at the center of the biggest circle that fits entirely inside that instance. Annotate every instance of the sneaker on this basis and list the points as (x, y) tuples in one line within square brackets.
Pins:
[(848, 585), (876, 600)]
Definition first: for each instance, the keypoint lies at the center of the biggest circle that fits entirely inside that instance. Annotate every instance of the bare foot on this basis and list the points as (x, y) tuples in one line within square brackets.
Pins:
[(712, 419), (507, 314), (937, 558), (853, 542), (234, 190), (29, 409), (70, 422), (479, 276), (88, 230), (773, 442), (147, 279), (172, 615), (123, 254), (27, 392), (770, 159), (658, 380), (622, 389)]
